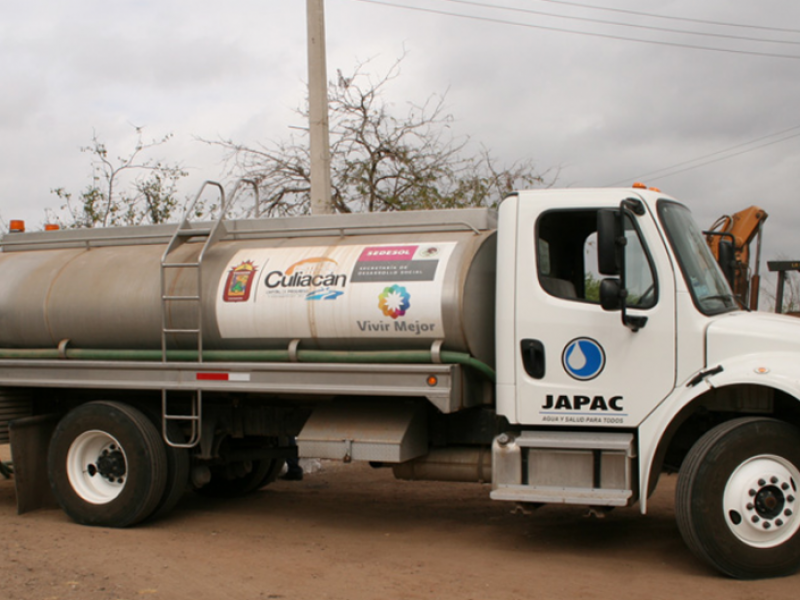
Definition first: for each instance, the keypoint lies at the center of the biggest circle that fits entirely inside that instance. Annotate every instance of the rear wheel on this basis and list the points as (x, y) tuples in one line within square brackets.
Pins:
[(178, 468), (241, 478), (107, 465), (736, 499)]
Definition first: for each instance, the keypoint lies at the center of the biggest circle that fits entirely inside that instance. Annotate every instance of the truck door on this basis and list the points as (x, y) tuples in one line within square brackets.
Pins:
[(577, 364)]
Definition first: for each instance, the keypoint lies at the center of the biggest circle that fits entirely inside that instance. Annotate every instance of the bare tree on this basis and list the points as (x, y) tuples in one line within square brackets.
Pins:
[(379, 161), (131, 189)]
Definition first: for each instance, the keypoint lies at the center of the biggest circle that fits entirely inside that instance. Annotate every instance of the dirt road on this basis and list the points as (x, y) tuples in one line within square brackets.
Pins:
[(350, 532)]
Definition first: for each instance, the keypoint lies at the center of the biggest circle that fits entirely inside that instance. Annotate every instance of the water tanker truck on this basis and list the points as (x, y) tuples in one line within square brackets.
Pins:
[(569, 347)]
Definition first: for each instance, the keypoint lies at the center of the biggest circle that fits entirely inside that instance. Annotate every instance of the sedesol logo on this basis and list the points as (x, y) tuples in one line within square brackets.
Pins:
[(583, 359)]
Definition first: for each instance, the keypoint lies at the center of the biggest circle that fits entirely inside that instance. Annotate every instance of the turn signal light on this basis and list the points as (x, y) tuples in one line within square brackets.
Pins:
[(433, 381), (16, 226)]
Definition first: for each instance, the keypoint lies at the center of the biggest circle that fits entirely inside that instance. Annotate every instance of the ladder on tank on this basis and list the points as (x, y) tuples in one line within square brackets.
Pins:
[(209, 234)]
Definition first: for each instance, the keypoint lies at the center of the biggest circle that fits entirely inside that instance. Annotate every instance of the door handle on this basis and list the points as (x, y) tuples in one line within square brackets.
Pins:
[(533, 358)]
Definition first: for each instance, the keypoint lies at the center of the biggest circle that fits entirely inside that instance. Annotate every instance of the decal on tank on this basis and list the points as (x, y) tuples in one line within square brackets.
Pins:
[(348, 291), (239, 282)]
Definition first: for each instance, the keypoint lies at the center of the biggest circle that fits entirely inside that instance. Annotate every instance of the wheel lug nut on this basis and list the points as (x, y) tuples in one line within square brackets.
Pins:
[(755, 519), (787, 513), (767, 525), (762, 482), (784, 486), (750, 506), (790, 498), (773, 479), (752, 492), (778, 522)]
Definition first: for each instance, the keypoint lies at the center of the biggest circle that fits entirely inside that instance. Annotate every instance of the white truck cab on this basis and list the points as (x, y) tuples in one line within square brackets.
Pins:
[(619, 343)]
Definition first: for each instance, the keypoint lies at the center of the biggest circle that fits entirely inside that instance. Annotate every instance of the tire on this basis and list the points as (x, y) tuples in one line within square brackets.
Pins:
[(228, 482), (178, 469), (107, 465), (736, 499), (274, 471)]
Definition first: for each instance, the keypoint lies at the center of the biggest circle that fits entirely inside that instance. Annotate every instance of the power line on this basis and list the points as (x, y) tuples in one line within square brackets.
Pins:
[(587, 33), (672, 18), (619, 24), (714, 156)]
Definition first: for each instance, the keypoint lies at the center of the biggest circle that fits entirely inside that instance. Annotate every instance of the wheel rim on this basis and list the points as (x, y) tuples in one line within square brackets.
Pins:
[(97, 467), (760, 501)]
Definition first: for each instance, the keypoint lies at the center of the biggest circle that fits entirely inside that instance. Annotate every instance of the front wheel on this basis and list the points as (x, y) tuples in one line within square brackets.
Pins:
[(736, 501), (107, 465)]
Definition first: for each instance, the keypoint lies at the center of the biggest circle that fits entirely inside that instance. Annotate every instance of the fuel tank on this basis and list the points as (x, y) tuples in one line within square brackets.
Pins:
[(402, 280)]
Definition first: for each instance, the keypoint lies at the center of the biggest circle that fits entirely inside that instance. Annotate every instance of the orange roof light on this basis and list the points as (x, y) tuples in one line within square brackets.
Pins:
[(639, 186), (16, 226), (51, 227), (653, 189)]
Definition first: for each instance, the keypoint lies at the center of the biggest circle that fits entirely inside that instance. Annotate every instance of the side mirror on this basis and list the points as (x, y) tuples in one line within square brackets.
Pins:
[(611, 243), (727, 260), (609, 234), (611, 294)]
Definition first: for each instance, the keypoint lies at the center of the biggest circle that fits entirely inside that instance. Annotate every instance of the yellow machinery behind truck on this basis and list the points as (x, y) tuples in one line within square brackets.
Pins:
[(729, 239)]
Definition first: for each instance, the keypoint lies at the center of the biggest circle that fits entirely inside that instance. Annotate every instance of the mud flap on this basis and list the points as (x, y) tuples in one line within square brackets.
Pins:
[(30, 439)]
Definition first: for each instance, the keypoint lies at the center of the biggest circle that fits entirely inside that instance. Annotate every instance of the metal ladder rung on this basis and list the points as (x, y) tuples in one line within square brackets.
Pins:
[(181, 331), (187, 265), (180, 297), (181, 417)]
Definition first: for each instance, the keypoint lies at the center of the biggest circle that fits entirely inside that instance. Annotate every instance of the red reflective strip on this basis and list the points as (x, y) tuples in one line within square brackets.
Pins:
[(212, 377)]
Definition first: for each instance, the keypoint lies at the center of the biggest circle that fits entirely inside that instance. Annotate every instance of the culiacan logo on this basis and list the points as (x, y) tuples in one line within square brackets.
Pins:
[(583, 359), (394, 301), (240, 282), (315, 278)]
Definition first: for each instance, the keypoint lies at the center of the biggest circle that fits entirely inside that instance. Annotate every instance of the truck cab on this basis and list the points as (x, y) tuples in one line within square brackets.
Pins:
[(622, 353)]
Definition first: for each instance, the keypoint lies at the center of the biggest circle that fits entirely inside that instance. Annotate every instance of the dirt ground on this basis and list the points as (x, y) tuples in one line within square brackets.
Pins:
[(350, 532)]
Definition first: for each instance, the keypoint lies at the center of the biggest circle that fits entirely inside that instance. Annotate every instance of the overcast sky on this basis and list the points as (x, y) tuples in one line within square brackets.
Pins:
[(574, 93)]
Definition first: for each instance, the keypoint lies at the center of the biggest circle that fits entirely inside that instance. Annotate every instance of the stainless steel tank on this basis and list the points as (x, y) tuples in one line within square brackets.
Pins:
[(344, 282)]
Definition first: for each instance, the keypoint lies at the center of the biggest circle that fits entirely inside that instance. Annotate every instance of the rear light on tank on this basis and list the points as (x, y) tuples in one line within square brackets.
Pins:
[(16, 226), (51, 227), (433, 381)]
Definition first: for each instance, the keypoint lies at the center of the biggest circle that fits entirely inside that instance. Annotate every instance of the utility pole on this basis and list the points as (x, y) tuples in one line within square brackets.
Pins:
[(318, 110)]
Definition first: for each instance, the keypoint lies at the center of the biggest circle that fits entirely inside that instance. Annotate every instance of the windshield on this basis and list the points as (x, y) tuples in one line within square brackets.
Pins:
[(708, 286)]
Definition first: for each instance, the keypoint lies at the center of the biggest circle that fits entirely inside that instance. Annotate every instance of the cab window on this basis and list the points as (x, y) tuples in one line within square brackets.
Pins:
[(567, 259)]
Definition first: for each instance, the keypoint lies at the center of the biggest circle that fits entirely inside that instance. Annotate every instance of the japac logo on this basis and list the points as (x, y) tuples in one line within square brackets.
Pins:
[(583, 359), (394, 301), (240, 282)]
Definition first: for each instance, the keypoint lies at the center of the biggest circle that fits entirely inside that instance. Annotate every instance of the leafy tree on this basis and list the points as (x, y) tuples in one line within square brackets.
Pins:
[(379, 161), (591, 287), (130, 189)]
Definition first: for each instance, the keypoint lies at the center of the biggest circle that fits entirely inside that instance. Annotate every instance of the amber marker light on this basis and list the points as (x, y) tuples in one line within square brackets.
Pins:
[(16, 226), (433, 381), (51, 227), (639, 186)]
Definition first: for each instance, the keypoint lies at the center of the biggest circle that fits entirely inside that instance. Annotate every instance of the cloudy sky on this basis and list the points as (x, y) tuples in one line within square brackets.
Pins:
[(697, 98)]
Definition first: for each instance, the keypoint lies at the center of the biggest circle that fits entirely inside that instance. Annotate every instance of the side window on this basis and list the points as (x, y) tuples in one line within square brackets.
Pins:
[(567, 259)]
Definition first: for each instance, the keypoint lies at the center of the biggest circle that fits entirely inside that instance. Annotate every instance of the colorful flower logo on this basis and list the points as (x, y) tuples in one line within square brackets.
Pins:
[(394, 301)]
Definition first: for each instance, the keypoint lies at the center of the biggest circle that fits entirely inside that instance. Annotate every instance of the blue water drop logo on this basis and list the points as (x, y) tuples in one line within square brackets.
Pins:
[(583, 359)]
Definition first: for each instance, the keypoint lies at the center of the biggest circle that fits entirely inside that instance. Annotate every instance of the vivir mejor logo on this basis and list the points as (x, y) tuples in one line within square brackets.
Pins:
[(583, 359), (394, 301)]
